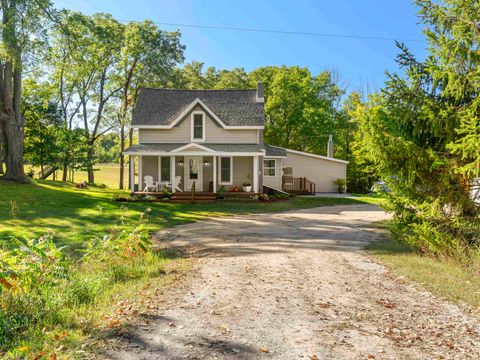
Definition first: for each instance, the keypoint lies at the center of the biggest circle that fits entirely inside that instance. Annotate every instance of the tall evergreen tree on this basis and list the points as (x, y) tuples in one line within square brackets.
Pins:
[(422, 132)]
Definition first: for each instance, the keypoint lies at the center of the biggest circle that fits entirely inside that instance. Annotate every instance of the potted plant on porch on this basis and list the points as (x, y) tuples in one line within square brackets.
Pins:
[(247, 187)]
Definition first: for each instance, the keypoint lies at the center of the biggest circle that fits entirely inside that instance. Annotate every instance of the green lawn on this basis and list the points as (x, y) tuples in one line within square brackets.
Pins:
[(76, 215), (445, 277)]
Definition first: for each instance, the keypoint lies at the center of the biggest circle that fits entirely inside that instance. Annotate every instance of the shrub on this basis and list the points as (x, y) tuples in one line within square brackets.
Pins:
[(221, 192), (33, 264), (342, 185), (263, 197), (141, 197), (119, 197), (166, 194), (431, 227), (41, 289), (30, 275), (81, 291)]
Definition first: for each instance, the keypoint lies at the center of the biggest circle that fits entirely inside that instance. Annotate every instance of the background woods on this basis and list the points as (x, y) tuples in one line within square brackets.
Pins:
[(83, 81)]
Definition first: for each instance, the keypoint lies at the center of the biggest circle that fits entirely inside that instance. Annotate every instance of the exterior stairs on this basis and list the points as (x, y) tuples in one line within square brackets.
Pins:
[(193, 197), (47, 171)]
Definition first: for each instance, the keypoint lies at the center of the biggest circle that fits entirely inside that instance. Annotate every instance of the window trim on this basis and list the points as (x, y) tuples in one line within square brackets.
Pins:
[(274, 167), (220, 159), (192, 126)]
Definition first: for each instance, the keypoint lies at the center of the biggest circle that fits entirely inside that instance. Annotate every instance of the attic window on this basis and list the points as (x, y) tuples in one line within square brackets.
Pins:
[(198, 126)]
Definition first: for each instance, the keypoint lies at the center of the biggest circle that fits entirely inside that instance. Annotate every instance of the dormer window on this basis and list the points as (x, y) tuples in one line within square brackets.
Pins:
[(198, 126)]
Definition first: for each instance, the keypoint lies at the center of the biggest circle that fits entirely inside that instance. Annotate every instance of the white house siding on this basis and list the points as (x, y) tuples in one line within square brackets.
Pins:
[(322, 172), (273, 181), (214, 134), (242, 170), (150, 167)]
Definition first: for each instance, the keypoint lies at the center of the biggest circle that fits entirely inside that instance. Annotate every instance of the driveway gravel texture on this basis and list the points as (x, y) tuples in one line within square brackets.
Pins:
[(295, 285)]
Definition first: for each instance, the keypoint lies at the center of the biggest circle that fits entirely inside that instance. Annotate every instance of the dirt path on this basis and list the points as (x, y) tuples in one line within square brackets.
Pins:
[(297, 285)]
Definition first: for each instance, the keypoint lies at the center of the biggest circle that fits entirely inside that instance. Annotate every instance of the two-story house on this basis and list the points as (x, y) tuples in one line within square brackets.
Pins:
[(213, 139)]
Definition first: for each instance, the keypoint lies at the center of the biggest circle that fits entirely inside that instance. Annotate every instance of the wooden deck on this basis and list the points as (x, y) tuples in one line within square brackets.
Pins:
[(298, 186)]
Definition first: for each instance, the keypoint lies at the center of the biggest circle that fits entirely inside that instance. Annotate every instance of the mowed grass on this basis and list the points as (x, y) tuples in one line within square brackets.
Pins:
[(76, 215), (446, 277)]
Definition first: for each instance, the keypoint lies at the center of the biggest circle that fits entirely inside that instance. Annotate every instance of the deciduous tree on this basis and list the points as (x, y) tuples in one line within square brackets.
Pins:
[(22, 29)]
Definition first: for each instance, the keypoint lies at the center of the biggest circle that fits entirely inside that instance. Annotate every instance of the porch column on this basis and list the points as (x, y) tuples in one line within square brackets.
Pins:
[(255, 174), (159, 168), (132, 173), (214, 174), (172, 172), (140, 181)]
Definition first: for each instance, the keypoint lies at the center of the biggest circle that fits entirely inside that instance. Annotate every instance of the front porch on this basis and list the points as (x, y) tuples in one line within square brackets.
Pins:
[(197, 174)]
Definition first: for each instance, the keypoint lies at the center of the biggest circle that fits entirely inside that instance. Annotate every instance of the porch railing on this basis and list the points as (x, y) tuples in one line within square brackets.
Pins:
[(298, 185)]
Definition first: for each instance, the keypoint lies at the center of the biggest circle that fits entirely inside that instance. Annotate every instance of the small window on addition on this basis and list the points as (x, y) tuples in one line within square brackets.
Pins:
[(269, 167), (287, 171)]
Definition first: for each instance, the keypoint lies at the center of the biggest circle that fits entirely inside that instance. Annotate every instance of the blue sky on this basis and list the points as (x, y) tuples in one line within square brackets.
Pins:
[(358, 62)]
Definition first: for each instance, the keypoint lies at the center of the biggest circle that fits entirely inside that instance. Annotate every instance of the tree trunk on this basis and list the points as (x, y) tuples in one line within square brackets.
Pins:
[(14, 160), (90, 155), (11, 121), (122, 158), (13, 124), (65, 171), (3, 146)]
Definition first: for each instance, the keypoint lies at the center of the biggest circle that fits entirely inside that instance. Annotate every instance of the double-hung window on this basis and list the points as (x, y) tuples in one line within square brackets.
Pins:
[(226, 170), (198, 126), (165, 168), (269, 167)]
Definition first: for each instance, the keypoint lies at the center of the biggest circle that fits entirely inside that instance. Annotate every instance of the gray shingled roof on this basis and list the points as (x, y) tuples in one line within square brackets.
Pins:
[(233, 107), (156, 148), (274, 151)]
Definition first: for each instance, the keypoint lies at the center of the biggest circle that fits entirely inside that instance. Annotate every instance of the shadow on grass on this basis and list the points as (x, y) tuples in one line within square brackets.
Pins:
[(77, 215), (388, 245)]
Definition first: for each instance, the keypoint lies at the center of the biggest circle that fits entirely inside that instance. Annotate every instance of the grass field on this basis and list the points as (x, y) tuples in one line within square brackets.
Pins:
[(76, 215), (106, 174)]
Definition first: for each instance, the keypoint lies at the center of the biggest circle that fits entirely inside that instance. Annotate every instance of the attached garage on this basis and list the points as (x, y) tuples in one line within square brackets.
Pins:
[(321, 170)]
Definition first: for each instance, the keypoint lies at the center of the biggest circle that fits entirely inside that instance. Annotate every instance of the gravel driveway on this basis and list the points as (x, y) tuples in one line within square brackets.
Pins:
[(297, 285)]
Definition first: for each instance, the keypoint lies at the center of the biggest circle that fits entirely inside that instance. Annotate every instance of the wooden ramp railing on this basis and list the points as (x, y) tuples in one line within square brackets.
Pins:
[(298, 185)]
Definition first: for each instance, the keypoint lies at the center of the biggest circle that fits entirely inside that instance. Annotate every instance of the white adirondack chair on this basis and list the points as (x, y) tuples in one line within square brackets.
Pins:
[(149, 183), (176, 184)]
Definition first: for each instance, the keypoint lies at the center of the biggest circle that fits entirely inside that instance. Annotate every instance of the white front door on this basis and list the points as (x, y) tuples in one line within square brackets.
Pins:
[(193, 173)]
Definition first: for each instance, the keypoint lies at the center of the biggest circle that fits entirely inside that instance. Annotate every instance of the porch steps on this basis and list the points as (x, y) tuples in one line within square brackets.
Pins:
[(186, 198)]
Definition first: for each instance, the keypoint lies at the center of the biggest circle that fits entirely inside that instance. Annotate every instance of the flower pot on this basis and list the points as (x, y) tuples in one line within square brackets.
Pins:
[(247, 188)]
